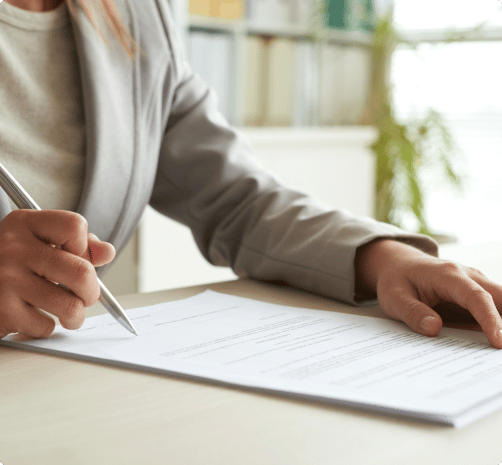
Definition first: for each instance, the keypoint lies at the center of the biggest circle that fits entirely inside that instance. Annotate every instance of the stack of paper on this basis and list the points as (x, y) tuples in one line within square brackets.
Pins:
[(352, 360)]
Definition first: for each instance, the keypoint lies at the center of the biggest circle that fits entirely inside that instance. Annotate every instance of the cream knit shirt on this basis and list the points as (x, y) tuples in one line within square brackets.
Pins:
[(42, 132)]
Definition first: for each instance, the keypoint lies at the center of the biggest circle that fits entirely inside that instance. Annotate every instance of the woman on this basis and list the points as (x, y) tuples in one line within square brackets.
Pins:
[(103, 129)]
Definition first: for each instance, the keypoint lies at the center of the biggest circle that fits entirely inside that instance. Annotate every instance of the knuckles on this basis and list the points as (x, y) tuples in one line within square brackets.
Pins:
[(85, 277), (18, 217), (451, 268), (76, 224), (478, 295), (475, 273), (73, 224), (13, 255), (12, 247), (83, 271)]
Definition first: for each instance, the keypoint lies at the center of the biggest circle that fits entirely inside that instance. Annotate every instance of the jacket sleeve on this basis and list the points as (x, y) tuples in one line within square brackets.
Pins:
[(240, 215)]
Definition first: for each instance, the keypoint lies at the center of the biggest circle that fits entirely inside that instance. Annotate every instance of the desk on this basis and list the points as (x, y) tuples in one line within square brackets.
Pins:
[(60, 411)]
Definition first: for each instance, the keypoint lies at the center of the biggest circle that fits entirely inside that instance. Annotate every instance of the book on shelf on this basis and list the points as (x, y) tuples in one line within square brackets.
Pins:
[(282, 80), (279, 69), (286, 82), (331, 84), (351, 15), (290, 83), (306, 85), (270, 12), (281, 87), (344, 84), (303, 12), (210, 56), (340, 14), (357, 71), (254, 85), (225, 9), (258, 12)]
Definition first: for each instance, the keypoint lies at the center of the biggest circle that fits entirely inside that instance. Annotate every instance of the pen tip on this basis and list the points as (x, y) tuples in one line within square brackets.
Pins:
[(135, 333)]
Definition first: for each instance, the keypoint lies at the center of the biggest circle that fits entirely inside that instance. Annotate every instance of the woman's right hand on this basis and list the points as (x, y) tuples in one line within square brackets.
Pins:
[(39, 249)]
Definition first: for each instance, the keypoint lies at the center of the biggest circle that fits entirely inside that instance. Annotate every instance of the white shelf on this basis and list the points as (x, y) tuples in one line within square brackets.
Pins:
[(217, 24), (457, 35), (245, 27)]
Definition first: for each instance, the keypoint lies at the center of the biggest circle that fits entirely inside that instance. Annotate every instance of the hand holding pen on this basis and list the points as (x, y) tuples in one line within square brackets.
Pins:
[(39, 249)]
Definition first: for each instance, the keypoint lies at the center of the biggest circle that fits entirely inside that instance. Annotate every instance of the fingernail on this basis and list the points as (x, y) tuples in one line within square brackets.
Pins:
[(428, 324), (499, 336)]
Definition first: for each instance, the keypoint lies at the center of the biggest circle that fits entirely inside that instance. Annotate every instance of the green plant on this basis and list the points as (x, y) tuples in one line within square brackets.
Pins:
[(405, 151)]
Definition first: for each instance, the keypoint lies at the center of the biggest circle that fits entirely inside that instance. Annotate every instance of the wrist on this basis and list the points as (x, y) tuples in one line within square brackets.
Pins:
[(372, 259)]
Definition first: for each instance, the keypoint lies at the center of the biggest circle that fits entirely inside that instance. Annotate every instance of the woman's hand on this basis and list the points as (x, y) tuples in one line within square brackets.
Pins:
[(409, 283), (37, 250)]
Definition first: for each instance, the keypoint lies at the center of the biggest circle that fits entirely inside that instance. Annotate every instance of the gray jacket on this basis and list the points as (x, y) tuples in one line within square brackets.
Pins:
[(154, 136)]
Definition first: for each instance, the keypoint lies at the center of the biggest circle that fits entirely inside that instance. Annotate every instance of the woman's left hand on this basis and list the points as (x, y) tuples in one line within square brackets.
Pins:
[(410, 283)]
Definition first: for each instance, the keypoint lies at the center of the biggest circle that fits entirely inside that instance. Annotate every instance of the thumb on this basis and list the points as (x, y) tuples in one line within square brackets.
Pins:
[(403, 305), (99, 253)]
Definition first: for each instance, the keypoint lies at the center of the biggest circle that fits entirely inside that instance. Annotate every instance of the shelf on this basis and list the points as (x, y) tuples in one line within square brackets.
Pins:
[(215, 24), (328, 138), (273, 72), (291, 31), (455, 35)]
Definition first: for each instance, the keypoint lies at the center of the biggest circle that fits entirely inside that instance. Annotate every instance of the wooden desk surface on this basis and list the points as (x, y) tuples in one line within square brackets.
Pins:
[(59, 411)]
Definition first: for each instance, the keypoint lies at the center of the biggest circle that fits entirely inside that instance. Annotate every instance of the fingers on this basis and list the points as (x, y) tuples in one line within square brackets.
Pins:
[(37, 250), (25, 319), (68, 231), (494, 289), (410, 294), (40, 293), (23, 292), (63, 229), (404, 305), (459, 287), (34, 323), (75, 273), (99, 253)]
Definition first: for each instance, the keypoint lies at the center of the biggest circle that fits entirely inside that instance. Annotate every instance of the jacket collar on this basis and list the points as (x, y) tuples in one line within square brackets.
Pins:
[(108, 86)]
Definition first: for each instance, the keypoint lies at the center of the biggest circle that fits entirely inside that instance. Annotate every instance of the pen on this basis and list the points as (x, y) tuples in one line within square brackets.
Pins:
[(22, 200)]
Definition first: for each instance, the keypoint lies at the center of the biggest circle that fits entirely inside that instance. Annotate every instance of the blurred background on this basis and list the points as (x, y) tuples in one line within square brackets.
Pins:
[(390, 109)]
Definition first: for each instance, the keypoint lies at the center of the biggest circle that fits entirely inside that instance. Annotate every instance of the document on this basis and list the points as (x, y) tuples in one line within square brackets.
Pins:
[(357, 361)]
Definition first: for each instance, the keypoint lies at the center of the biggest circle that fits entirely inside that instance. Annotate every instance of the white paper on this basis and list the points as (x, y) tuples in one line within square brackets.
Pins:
[(354, 360)]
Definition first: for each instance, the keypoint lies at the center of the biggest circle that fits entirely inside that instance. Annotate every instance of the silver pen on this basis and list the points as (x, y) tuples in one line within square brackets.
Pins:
[(22, 200)]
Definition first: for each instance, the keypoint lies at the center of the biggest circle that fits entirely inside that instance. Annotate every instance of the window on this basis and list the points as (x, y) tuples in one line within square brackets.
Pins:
[(463, 81)]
